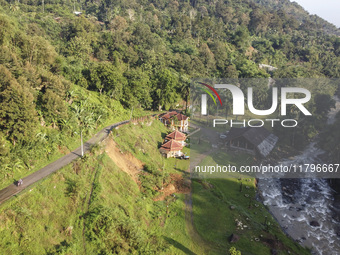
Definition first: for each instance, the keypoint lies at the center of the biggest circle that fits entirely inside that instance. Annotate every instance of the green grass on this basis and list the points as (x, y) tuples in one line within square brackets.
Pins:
[(40, 219), (224, 158), (36, 221), (144, 140), (215, 220), (175, 231), (219, 202), (93, 193), (66, 143), (50, 216)]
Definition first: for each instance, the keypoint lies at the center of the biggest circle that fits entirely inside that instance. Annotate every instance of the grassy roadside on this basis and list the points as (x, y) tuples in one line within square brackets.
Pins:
[(92, 204), (63, 143), (50, 216)]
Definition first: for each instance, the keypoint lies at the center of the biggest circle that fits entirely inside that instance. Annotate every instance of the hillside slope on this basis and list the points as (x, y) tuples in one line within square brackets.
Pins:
[(62, 73), (92, 206), (299, 13)]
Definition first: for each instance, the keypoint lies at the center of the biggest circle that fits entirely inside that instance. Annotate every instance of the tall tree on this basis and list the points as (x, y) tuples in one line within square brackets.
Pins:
[(165, 84), (18, 117)]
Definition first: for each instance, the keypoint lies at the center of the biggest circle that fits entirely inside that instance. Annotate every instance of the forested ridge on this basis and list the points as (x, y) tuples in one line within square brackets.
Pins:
[(71, 67), (62, 72), (298, 12)]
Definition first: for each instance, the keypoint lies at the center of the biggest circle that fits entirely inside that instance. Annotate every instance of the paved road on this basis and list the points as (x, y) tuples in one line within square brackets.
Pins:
[(13, 189)]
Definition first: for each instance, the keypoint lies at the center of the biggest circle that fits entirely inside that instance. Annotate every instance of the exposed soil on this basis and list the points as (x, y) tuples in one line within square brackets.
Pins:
[(133, 166), (63, 150), (125, 161), (177, 185)]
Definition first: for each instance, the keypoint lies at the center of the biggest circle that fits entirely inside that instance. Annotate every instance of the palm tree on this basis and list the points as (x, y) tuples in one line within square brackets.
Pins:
[(86, 119)]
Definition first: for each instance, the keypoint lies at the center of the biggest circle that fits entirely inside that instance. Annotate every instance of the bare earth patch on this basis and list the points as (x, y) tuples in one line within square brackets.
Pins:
[(125, 161), (177, 185)]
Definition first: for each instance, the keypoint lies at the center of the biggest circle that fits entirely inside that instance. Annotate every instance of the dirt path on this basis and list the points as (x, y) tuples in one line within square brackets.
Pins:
[(189, 217), (12, 189)]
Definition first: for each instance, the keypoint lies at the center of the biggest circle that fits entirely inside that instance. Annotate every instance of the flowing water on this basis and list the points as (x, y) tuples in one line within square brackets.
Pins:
[(305, 207)]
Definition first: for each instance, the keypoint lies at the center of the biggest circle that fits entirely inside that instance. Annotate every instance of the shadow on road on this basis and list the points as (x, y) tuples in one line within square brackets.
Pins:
[(76, 154)]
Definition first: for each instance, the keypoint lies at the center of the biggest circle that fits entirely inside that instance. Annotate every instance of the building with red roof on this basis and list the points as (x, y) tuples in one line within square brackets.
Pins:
[(171, 149), (175, 121), (177, 136)]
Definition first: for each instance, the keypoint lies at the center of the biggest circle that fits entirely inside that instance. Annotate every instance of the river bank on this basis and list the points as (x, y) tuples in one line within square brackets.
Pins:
[(307, 209)]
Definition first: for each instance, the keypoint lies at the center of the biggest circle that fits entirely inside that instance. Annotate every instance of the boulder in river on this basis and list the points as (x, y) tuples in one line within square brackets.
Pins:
[(314, 223)]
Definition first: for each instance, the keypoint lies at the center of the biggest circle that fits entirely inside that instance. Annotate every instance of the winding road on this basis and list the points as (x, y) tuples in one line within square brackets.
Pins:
[(13, 189)]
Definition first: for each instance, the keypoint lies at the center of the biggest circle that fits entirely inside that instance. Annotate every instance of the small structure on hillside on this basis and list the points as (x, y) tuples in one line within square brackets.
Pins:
[(171, 149), (176, 136), (175, 121), (166, 118), (253, 140), (268, 67)]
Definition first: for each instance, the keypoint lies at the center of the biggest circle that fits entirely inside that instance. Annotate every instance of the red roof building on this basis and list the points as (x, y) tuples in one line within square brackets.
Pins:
[(177, 136), (176, 121), (181, 117), (173, 113), (166, 116), (171, 149)]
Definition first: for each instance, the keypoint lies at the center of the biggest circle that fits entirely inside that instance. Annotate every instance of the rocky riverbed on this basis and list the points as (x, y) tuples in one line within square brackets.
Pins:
[(307, 209)]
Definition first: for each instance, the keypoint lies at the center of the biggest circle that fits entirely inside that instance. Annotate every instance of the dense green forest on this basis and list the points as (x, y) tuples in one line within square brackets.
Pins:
[(300, 14), (62, 72), (76, 66)]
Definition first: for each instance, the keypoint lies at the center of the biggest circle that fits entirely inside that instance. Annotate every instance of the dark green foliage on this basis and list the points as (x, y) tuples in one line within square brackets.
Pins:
[(96, 186), (322, 91), (18, 118), (142, 55), (72, 188), (54, 107), (112, 232), (105, 77), (137, 91), (165, 85), (152, 180)]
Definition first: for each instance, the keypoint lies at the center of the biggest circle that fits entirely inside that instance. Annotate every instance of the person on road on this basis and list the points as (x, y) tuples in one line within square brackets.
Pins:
[(20, 182)]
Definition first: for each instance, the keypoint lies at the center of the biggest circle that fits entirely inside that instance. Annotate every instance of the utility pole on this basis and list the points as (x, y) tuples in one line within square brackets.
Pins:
[(43, 5)]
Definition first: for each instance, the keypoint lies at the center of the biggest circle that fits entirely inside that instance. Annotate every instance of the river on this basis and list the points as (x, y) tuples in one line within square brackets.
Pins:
[(306, 208)]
